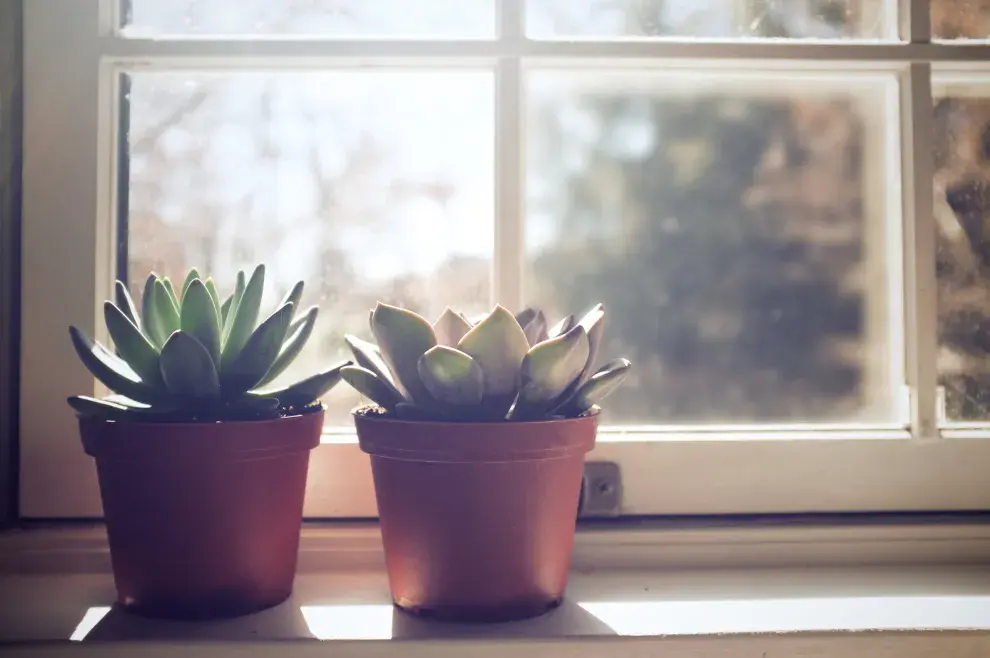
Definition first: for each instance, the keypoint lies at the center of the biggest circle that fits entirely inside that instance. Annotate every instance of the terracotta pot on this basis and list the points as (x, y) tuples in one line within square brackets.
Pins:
[(477, 519), (203, 519)]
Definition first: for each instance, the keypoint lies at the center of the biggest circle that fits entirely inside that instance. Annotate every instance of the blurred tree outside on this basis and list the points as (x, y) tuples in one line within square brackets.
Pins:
[(726, 233)]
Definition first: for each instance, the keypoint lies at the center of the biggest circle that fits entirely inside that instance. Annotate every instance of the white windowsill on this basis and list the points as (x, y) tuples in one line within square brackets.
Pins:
[(55, 584)]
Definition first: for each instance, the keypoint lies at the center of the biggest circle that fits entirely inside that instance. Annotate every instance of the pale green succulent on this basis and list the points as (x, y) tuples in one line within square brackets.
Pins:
[(502, 367), (190, 356)]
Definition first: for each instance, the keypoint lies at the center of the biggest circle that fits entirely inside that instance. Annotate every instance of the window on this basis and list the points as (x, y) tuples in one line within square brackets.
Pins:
[(783, 206)]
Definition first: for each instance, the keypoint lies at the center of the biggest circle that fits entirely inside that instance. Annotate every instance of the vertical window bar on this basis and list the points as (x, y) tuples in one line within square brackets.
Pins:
[(919, 226), (123, 173), (509, 186)]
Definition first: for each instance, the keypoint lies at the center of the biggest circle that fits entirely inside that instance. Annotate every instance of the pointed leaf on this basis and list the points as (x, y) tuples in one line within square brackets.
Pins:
[(126, 304), (451, 376), (193, 275), (306, 391), (548, 369), (258, 355), (594, 325), (224, 310), (198, 317), (111, 371), (294, 295), (371, 386), (245, 319), (85, 405), (165, 310), (127, 402), (152, 325), (132, 345), (450, 327), (599, 386), (534, 325), (566, 324), (499, 345), (403, 336), (292, 345), (525, 316), (239, 288), (215, 296), (171, 292), (367, 355), (188, 368)]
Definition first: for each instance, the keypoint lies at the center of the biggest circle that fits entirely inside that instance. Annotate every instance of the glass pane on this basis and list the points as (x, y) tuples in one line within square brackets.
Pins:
[(339, 18), (960, 20), (367, 185), (713, 19), (734, 229), (962, 217)]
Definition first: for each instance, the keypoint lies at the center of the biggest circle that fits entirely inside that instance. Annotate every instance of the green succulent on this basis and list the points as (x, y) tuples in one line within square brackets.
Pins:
[(501, 367), (190, 356)]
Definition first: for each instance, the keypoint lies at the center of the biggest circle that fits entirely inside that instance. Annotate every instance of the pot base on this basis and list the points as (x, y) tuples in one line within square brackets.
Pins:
[(185, 610), (483, 614)]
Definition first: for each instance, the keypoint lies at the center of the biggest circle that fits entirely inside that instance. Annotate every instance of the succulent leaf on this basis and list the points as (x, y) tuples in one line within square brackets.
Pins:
[(166, 312), (111, 371), (308, 390), (450, 327), (292, 345), (151, 324), (125, 303), (193, 275), (293, 296), (548, 369), (211, 288), (451, 376), (187, 367), (245, 318), (371, 386), (125, 401), (499, 345), (85, 405), (224, 311), (599, 386), (171, 292), (133, 346), (565, 324), (594, 325), (534, 324), (228, 321), (259, 353), (403, 336), (198, 316)]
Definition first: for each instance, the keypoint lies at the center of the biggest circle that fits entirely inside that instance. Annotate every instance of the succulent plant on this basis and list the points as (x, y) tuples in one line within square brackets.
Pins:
[(190, 356), (500, 367)]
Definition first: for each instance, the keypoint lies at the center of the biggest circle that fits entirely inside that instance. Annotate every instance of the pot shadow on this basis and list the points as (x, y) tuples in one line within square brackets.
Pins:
[(567, 619), (280, 622)]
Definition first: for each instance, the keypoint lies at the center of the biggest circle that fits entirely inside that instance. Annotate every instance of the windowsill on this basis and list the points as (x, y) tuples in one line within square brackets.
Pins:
[(840, 609)]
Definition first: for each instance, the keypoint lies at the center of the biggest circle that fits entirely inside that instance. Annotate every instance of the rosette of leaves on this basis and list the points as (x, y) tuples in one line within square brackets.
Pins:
[(190, 356), (500, 367)]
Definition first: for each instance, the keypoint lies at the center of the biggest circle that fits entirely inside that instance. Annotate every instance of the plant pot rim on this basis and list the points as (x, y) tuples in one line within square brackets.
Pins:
[(358, 412), (220, 440), (203, 423), (475, 442)]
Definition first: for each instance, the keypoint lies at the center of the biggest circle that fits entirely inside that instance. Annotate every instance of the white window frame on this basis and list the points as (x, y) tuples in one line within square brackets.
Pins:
[(72, 57)]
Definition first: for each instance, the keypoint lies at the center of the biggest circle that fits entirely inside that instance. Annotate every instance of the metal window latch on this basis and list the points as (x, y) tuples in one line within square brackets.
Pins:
[(601, 491)]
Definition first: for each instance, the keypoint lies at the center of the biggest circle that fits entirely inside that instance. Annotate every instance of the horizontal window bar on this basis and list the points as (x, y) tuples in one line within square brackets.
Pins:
[(281, 48)]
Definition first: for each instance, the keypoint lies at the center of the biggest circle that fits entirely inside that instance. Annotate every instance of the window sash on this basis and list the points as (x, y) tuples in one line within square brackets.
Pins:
[(72, 60)]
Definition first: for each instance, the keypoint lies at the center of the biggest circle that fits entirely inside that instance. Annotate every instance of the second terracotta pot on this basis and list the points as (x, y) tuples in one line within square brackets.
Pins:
[(477, 519)]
